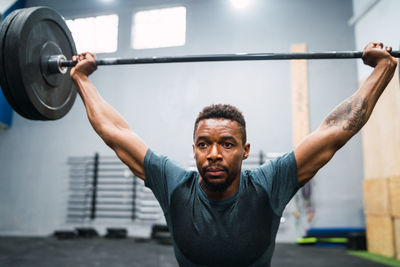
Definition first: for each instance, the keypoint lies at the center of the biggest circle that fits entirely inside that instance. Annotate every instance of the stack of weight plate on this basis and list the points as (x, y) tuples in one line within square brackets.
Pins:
[(80, 189), (116, 195), (110, 195), (147, 207)]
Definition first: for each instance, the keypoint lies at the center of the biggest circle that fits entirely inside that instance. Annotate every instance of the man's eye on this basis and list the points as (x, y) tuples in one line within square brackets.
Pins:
[(202, 145), (228, 145)]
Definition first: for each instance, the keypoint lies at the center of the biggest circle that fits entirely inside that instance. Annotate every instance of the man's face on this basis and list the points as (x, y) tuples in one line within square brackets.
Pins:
[(219, 151)]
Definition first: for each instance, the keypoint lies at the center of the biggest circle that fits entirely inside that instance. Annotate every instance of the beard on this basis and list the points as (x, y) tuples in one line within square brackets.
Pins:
[(215, 187)]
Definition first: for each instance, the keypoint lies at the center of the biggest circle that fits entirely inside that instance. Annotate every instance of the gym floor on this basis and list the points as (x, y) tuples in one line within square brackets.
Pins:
[(22, 251)]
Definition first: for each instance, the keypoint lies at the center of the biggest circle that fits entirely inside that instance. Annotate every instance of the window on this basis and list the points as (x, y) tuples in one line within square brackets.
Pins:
[(159, 28), (95, 34)]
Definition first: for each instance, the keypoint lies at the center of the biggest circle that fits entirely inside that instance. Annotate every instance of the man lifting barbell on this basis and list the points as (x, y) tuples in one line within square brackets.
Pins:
[(221, 215)]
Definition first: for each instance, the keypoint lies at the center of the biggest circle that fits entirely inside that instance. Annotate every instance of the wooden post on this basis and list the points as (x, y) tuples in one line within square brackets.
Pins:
[(300, 106)]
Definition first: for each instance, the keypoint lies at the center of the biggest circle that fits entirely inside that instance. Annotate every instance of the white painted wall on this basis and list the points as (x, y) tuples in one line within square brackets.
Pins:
[(6, 4), (379, 24), (160, 102)]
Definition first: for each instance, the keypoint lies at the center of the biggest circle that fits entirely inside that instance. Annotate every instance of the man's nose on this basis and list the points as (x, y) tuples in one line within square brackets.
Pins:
[(214, 153)]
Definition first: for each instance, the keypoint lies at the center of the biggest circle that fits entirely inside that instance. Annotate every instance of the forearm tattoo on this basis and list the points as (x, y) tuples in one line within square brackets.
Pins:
[(351, 114)]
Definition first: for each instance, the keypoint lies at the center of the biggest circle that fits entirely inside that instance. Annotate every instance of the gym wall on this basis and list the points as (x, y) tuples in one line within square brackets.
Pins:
[(160, 102), (381, 135)]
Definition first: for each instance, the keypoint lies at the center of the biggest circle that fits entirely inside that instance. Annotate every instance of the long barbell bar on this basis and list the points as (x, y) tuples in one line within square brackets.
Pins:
[(62, 62)]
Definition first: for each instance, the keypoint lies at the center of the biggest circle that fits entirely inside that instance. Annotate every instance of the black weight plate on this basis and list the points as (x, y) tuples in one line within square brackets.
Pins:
[(30, 31), (23, 105), (11, 61), (3, 81), (3, 31)]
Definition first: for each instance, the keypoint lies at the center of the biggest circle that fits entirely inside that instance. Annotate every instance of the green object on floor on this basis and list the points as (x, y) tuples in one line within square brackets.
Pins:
[(313, 240), (306, 240), (375, 257)]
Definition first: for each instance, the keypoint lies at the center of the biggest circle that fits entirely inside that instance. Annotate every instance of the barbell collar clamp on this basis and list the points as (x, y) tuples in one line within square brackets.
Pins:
[(54, 64)]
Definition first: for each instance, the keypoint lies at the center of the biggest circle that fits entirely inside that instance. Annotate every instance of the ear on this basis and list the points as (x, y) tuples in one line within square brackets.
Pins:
[(194, 154), (246, 151)]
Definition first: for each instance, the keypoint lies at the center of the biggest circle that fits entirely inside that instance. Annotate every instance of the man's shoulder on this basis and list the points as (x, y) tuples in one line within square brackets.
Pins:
[(269, 166)]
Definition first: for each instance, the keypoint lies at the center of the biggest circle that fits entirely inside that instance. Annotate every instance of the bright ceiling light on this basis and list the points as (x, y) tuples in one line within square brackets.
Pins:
[(240, 4)]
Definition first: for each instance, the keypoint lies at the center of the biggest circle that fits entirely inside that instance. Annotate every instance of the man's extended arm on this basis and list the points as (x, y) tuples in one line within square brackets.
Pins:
[(108, 124), (348, 117)]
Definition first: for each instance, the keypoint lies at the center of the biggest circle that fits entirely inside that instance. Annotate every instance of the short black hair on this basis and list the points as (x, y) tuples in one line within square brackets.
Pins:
[(223, 111)]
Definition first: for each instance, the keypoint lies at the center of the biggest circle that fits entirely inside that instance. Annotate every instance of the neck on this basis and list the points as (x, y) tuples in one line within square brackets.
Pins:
[(221, 195)]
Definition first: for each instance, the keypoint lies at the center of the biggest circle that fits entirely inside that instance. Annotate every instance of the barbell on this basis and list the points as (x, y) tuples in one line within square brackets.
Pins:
[(35, 45)]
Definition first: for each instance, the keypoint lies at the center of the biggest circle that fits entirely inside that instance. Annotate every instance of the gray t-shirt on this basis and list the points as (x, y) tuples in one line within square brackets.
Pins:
[(238, 231)]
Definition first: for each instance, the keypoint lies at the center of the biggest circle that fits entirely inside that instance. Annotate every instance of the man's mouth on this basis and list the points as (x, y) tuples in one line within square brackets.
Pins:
[(211, 171)]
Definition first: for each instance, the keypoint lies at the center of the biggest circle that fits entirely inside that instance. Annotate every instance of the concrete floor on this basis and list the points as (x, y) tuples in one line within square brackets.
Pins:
[(99, 251)]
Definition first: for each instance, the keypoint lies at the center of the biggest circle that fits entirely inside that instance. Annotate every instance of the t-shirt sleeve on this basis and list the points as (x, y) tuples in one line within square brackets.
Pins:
[(279, 179), (162, 176)]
